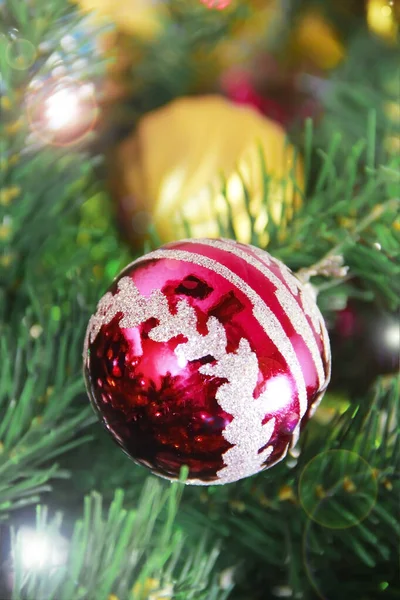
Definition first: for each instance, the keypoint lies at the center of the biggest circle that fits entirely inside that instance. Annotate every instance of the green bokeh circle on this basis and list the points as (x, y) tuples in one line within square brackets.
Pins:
[(20, 54), (338, 489)]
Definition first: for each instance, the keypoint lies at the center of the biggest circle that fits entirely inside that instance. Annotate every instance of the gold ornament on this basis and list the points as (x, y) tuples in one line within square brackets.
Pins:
[(141, 18), (170, 171)]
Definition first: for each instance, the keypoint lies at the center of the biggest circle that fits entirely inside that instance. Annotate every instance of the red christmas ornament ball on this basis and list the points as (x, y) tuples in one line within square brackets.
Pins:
[(206, 353)]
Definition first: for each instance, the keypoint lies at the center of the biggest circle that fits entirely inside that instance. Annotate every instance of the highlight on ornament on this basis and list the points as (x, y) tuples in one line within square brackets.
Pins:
[(62, 113), (334, 479), (216, 364)]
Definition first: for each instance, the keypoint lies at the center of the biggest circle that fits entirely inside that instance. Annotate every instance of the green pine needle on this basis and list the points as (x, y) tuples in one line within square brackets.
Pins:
[(128, 553)]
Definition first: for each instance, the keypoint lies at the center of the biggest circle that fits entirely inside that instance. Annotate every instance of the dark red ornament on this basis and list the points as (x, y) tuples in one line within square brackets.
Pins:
[(238, 87), (206, 353), (365, 331), (284, 97)]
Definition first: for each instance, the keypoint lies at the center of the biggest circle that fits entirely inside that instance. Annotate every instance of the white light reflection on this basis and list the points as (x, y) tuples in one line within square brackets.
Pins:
[(62, 108), (39, 549), (278, 394), (391, 336)]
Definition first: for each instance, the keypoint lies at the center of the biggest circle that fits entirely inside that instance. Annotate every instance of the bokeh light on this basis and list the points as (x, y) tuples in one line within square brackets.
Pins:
[(338, 489), (391, 335), (20, 54), (39, 550), (381, 18), (62, 112)]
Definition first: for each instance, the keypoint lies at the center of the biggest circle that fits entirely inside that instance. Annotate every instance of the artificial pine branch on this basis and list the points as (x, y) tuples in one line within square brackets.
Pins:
[(129, 554), (267, 516), (40, 380), (261, 520)]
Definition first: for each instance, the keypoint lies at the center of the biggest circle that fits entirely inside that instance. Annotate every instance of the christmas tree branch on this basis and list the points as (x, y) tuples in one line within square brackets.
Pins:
[(358, 226), (331, 265), (358, 455), (40, 381), (358, 236), (124, 553), (59, 253)]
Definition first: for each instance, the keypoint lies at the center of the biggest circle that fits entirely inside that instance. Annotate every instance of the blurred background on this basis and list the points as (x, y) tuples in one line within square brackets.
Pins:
[(111, 145)]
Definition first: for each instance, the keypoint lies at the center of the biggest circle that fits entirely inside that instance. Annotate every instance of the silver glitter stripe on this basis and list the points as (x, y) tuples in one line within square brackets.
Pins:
[(310, 307), (285, 298), (327, 348), (292, 283), (308, 296), (261, 312), (246, 431), (268, 451), (308, 299)]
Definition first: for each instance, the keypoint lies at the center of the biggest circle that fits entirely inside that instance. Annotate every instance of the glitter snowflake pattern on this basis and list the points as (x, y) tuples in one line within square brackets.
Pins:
[(246, 432)]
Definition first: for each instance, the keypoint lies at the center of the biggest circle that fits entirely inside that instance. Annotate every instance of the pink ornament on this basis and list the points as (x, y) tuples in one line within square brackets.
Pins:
[(206, 353)]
